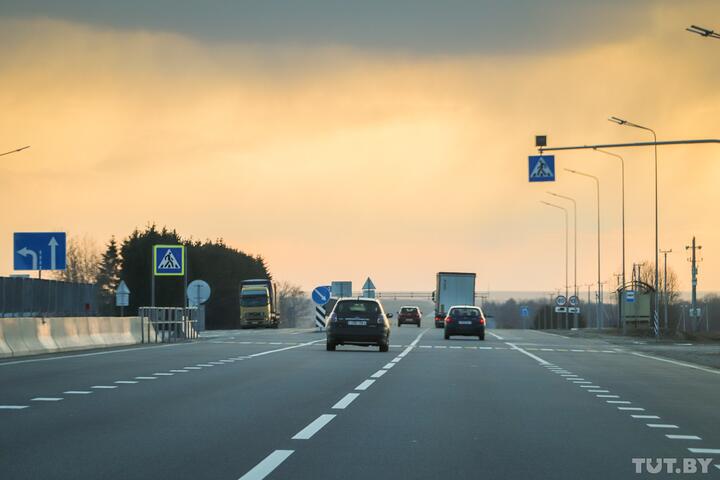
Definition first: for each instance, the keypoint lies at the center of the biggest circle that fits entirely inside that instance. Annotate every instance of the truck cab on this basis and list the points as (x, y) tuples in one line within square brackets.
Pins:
[(257, 305)]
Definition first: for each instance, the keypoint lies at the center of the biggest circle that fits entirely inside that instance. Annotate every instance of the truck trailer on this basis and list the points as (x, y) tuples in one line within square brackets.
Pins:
[(452, 289)]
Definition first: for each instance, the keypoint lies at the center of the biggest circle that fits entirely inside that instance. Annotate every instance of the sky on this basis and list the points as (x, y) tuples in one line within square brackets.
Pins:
[(342, 140)]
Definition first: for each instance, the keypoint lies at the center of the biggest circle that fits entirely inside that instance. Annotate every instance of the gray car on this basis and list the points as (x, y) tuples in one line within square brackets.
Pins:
[(358, 321)]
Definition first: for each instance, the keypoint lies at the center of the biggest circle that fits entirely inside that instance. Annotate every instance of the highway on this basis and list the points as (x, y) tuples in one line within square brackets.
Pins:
[(255, 404)]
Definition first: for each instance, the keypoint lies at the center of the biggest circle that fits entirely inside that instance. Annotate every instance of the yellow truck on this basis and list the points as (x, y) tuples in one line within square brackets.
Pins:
[(258, 304)]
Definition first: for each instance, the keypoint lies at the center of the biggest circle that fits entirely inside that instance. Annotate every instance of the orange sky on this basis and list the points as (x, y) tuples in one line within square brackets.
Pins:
[(338, 163)]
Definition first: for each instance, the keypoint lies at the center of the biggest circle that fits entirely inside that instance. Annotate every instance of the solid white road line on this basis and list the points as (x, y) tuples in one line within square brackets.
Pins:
[(345, 401), (104, 387), (45, 399), (496, 335), (683, 437), (270, 463), (78, 392), (364, 385), (282, 349), (709, 451), (680, 364), (661, 425), (81, 355), (534, 357), (378, 374), (649, 417), (314, 427), (13, 407)]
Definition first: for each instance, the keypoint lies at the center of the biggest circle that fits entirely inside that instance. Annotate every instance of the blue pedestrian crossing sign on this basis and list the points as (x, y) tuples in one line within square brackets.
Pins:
[(541, 168), (321, 295), (169, 260), (39, 251)]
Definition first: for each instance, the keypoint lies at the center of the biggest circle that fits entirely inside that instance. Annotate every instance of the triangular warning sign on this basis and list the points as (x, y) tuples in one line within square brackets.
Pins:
[(542, 170), (169, 262), (369, 285)]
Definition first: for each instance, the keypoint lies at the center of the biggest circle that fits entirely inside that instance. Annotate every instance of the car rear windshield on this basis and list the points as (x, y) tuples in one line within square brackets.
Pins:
[(465, 312), (408, 310), (357, 308)]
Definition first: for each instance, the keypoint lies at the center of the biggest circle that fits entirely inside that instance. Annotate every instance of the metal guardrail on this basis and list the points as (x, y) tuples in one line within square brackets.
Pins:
[(30, 297), (168, 324)]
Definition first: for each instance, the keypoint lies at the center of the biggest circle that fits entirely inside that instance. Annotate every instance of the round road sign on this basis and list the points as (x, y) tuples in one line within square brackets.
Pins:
[(574, 301), (198, 292), (321, 295), (560, 300)]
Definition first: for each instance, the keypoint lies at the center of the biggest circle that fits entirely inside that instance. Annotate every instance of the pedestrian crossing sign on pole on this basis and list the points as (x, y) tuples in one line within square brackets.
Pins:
[(541, 168), (169, 260)]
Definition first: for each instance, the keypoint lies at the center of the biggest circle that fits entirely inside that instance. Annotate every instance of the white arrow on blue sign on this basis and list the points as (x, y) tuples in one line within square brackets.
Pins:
[(321, 295), (39, 251)]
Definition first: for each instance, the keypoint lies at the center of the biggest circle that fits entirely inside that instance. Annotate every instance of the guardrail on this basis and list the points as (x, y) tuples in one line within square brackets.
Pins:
[(167, 324)]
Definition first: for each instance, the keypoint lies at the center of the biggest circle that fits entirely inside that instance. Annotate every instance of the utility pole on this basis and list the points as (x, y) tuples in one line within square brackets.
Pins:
[(693, 260), (665, 290)]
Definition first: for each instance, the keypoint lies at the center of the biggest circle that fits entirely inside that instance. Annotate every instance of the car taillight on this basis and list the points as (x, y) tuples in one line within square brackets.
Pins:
[(448, 319), (438, 318), (482, 321)]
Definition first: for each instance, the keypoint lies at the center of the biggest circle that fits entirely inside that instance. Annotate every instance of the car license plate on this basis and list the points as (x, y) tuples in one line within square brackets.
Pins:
[(465, 322), (357, 322)]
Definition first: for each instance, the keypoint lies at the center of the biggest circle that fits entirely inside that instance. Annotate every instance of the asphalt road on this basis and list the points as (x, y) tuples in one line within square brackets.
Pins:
[(275, 404)]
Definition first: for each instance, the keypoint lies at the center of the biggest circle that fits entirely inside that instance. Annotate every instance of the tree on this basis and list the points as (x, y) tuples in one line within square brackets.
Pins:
[(82, 261), (647, 275), (294, 304), (108, 277)]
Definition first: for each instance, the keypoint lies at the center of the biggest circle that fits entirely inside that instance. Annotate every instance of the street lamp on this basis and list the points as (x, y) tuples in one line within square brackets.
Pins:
[(703, 32), (575, 285), (566, 249), (15, 151), (656, 314), (597, 185), (622, 181), (665, 254)]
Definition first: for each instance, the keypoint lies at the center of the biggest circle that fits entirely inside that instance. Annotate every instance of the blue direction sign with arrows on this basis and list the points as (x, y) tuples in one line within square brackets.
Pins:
[(321, 295), (541, 168), (39, 251)]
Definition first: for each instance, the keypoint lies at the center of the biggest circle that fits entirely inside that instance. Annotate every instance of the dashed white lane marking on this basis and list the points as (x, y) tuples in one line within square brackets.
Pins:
[(618, 402), (212, 363), (598, 391), (648, 417), (496, 336), (455, 347), (631, 409), (589, 386), (395, 346), (680, 364), (78, 392), (314, 427), (192, 368), (145, 378), (104, 387), (440, 346), (579, 382), (576, 350), (270, 463), (607, 396), (396, 359), (126, 382), (378, 374), (568, 375), (708, 451), (547, 349), (683, 437), (13, 407), (365, 385), (661, 425), (163, 374), (275, 343), (484, 348), (345, 401), (206, 365), (389, 366), (46, 399), (180, 370), (425, 346), (531, 355)]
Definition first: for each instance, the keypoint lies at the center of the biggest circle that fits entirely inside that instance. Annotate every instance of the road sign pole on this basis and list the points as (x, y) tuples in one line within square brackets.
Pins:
[(185, 279)]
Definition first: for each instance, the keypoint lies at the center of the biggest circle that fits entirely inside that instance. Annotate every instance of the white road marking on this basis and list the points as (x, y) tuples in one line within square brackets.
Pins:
[(145, 378), (425, 346), (576, 350), (378, 374), (204, 365), (192, 368), (275, 343), (440, 346), (607, 396), (179, 371), (212, 363), (45, 399), (547, 349), (598, 391), (268, 352), (680, 364), (412, 344), (104, 387), (455, 347), (496, 336), (81, 355), (13, 407), (270, 463), (396, 359), (631, 409), (581, 382), (618, 402), (531, 355), (661, 425), (77, 392), (389, 366), (364, 385), (395, 346), (345, 401), (649, 417), (163, 374), (683, 437), (709, 451), (589, 386), (126, 382), (314, 427), (484, 348)]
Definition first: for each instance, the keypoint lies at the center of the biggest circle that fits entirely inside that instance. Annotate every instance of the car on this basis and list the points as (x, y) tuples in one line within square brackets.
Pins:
[(408, 314), (466, 320), (358, 321)]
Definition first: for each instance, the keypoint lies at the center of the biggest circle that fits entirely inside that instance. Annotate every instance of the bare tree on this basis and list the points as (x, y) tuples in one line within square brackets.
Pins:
[(294, 304), (647, 275), (83, 261)]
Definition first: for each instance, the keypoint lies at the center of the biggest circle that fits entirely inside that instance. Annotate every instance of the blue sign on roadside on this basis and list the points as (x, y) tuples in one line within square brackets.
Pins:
[(169, 260), (541, 168), (524, 312), (630, 296), (321, 295), (39, 251)]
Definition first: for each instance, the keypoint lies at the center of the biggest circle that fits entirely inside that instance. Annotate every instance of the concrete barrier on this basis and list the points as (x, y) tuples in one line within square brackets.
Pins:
[(31, 336)]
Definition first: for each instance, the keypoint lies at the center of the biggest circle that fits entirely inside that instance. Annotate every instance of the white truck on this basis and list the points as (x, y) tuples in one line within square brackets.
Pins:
[(452, 288)]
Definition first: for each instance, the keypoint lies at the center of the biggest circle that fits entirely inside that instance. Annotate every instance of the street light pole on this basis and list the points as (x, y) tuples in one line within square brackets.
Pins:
[(575, 284), (600, 300), (665, 290), (622, 182), (15, 151), (566, 250), (656, 313)]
